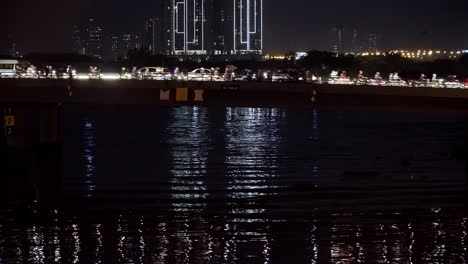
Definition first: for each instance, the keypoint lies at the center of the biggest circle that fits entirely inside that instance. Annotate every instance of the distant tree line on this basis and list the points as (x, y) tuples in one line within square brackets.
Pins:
[(324, 62)]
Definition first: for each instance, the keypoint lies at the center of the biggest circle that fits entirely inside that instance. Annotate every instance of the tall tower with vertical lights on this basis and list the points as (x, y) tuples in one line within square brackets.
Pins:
[(189, 27), (248, 26)]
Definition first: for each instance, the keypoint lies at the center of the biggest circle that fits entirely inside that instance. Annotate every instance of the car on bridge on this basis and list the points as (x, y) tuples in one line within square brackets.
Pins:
[(17, 69), (453, 82), (64, 72), (282, 76), (154, 73), (340, 79), (200, 74), (465, 82)]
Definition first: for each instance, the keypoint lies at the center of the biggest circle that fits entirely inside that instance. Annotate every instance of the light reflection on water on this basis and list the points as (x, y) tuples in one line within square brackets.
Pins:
[(189, 141), (89, 143), (250, 185)]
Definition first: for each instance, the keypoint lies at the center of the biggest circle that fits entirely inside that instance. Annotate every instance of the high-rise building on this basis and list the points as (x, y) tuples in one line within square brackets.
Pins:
[(372, 46), (14, 51), (355, 41), (121, 44), (221, 35), (150, 36), (189, 32), (9, 47), (337, 40), (213, 27), (94, 39), (115, 47), (248, 26), (131, 41), (87, 39), (77, 40)]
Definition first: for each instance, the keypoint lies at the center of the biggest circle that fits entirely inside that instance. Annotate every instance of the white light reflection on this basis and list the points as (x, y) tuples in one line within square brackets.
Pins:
[(436, 251), (141, 240), (37, 247), (411, 244), (99, 245), (252, 143), (89, 143), (189, 145), (76, 243), (163, 243), (463, 238), (252, 152), (189, 155), (313, 247), (315, 139), (359, 246), (341, 250), (121, 231), (56, 240), (2, 241)]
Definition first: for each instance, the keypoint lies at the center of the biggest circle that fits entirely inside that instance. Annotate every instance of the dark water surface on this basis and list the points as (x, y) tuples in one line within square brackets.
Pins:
[(144, 184)]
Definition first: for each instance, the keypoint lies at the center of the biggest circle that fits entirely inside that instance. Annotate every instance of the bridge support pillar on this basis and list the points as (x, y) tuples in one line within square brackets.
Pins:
[(31, 154)]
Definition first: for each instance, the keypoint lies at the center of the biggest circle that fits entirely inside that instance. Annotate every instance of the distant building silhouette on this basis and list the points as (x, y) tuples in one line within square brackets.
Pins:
[(337, 40), (14, 50), (87, 39), (372, 46), (355, 42), (122, 43), (77, 40), (221, 28), (153, 35), (94, 41)]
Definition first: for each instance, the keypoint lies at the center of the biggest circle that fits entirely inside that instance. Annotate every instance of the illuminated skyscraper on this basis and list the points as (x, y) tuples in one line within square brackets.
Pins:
[(153, 36), (87, 39), (77, 40), (373, 43), (188, 27), (337, 40), (149, 37), (93, 39), (213, 27), (248, 26)]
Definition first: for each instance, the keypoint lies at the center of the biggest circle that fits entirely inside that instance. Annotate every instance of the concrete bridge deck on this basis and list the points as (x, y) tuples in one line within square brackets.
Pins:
[(254, 94)]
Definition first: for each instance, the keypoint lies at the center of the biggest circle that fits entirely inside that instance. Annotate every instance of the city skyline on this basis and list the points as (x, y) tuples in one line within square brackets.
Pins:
[(299, 25), (182, 27)]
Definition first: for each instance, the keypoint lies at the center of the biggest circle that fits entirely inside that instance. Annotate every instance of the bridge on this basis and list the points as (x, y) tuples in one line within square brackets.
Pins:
[(253, 94)]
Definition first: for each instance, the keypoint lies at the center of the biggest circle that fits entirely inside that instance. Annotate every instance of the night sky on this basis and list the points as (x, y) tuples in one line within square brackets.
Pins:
[(289, 25)]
